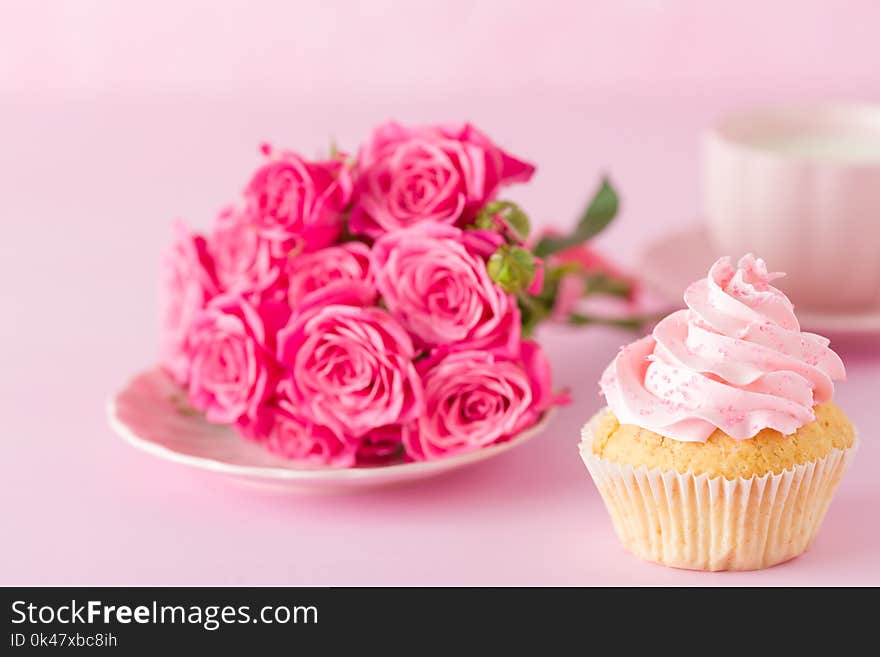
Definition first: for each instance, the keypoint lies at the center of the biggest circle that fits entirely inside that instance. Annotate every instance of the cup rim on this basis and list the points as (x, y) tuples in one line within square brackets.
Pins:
[(741, 129)]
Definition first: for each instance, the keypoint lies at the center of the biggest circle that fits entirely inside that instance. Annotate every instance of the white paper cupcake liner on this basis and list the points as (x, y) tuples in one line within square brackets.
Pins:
[(712, 523)]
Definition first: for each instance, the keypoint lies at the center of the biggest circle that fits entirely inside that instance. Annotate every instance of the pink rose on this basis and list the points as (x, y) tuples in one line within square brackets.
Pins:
[(428, 173), (474, 399), (350, 368), (383, 444), (244, 260), (537, 367), (440, 291), (537, 284), (284, 431), (299, 202), (344, 268), (482, 243), (188, 283), (231, 353)]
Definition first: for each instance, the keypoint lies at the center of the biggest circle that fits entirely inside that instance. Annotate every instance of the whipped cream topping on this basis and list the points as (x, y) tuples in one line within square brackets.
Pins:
[(735, 360)]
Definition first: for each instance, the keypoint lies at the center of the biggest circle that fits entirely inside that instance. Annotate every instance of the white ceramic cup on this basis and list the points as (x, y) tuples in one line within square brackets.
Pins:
[(800, 187)]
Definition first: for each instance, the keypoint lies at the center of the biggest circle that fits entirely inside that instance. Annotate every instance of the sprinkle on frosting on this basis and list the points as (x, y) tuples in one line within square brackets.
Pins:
[(735, 360)]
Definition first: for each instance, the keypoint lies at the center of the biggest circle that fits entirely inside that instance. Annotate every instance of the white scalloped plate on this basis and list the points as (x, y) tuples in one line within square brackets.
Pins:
[(150, 412)]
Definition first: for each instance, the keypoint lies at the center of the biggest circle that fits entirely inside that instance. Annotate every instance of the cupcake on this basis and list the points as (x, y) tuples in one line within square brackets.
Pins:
[(721, 447)]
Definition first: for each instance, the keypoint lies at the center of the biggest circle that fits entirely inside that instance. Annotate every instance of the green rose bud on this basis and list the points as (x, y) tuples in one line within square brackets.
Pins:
[(512, 267)]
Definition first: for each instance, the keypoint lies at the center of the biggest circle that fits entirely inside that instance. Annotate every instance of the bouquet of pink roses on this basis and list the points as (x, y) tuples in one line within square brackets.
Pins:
[(365, 312)]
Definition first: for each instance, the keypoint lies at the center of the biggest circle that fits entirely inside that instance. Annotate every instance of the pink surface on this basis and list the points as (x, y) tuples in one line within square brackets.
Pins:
[(107, 138), (273, 48)]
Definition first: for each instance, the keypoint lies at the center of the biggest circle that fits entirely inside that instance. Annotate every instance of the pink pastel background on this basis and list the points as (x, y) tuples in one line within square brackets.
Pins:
[(116, 118)]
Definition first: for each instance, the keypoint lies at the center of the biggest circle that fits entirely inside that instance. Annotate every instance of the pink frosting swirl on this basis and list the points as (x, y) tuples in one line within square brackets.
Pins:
[(735, 360)]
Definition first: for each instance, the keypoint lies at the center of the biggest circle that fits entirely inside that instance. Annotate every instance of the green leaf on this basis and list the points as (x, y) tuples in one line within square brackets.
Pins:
[(512, 267), (599, 283), (634, 322), (599, 213), (510, 213), (484, 222), (531, 312)]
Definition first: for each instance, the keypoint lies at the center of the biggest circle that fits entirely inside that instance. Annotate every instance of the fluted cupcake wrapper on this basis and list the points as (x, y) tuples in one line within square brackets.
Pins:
[(712, 523)]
